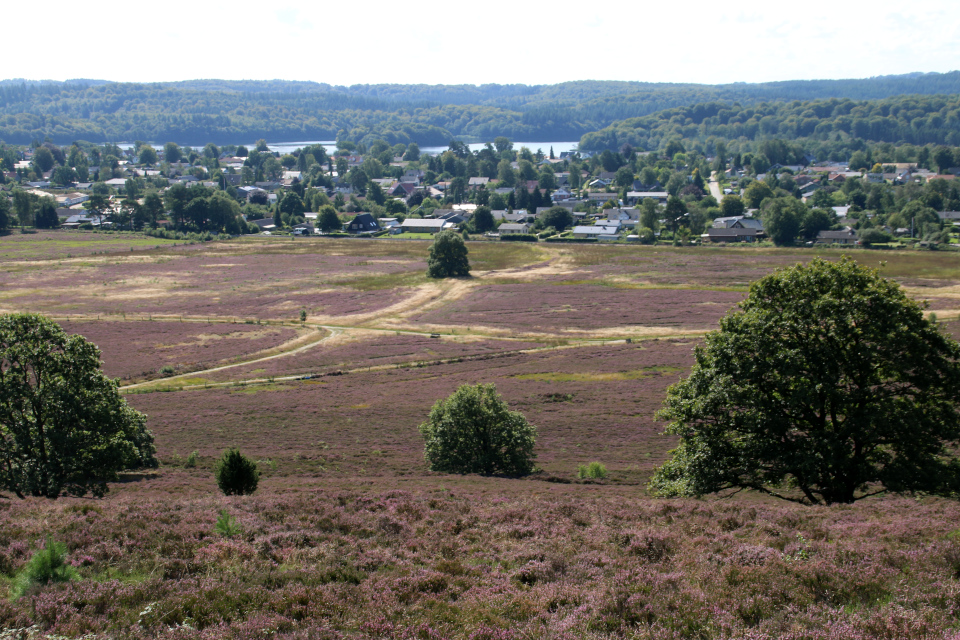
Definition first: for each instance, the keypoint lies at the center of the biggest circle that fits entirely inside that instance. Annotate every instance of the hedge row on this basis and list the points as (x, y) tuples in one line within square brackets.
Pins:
[(518, 237)]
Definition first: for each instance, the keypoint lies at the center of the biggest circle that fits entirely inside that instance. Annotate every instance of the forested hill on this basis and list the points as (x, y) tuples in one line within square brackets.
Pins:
[(224, 111), (916, 120)]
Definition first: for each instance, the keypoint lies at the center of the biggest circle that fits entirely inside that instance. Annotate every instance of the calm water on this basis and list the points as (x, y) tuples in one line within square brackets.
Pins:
[(331, 146)]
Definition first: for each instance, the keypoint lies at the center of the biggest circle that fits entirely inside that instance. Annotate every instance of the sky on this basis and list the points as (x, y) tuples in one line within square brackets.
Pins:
[(497, 41)]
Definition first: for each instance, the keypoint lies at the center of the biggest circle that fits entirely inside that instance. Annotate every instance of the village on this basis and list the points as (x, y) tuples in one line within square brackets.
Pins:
[(630, 197)]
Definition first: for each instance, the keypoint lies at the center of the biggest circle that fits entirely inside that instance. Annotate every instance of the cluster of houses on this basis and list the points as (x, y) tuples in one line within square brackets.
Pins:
[(610, 224)]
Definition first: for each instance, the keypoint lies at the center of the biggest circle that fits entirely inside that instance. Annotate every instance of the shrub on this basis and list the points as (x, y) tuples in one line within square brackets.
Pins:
[(519, 237), (191, 461), (47, 565), (593, 470), (167, 370), (227, 526), (236, 474), (473, 431), (303, 315)]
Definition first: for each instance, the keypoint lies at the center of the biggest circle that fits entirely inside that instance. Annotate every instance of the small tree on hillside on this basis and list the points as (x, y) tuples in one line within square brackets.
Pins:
[(827, 380), (473, 431), (236, 474), (448, 256)]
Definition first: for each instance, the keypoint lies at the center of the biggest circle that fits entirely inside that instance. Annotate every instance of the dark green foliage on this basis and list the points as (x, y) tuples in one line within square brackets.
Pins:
[(64, 428), (448, 256), (519, 237), (236, 474), (874, 236), (827, 380), (781, 219), (473, 431), (558, 217), (46, 216), (196, 112), (328, 220), (901, 118), (45, 566), (483, 219)]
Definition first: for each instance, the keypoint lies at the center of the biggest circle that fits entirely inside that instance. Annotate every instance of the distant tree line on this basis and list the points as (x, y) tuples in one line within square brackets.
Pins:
[(200, 111)]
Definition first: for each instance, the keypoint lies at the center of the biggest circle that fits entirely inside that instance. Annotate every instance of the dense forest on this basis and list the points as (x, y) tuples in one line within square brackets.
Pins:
[(827, 128), (224, 112)]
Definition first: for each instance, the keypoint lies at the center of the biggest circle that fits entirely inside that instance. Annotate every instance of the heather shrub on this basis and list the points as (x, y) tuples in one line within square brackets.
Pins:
[(227, 526), (236, 474), (45, 566), (593, 470)]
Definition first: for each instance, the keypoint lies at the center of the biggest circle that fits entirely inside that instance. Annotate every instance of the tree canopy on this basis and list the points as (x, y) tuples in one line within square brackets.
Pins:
[(473, 431), (64, 428), (826, 386), (448, 256)]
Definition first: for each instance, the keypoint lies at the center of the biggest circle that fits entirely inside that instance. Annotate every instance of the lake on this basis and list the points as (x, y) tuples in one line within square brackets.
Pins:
[(331, 146)]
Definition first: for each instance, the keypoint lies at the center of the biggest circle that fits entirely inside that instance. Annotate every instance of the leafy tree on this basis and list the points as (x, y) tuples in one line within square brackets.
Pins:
[(943, 156), (505, 174), (148, 155), (816, 220), (152, 208), (43, 159), (46, 216), (4, 213), (675, 212), (236, 474), (473, 431), (874, 236), (483, 219), (731, 205), (558, 217), (547, 179), (756, 193), (375, 193), (328, 220), (97, 206), (624, 177), (650, 214), (171, 152), (781, 220), (63, 175), (448, 256), (502, 143), (23, 207), (64, 428), (413, 152), (291, 204), (272, 169), (829, 380)]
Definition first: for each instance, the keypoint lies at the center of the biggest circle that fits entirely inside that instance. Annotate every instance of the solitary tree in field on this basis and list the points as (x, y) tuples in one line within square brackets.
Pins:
[(828, 383), (64, 428), (473, 431), (448, 256)]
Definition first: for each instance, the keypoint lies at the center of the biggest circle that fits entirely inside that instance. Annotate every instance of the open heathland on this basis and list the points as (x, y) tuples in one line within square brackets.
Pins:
[(349, 535), (137, 349)]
